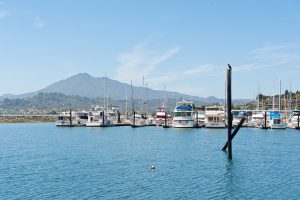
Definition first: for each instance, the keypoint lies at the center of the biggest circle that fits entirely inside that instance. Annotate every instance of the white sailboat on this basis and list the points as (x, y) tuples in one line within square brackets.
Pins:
[(98, 115)]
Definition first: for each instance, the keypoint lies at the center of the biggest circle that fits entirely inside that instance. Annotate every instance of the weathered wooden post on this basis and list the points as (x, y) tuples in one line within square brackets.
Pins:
[(71, 118), (265, 123), (235, 131), (197, 124), (166, 118), (133, 118), (229, 114), (102, 118), (119, 117), (298, 119)]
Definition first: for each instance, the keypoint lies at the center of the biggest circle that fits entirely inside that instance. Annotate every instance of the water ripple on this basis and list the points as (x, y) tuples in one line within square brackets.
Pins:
[(40, 161)]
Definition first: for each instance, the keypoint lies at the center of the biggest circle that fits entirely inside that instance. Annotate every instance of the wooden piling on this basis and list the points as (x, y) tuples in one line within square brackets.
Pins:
[(265, 121), (235, 132), (298, 120), (103, 118), (166, 118), (197, 124), (133, 118), (229, 114), (119, 117), (71, 118)]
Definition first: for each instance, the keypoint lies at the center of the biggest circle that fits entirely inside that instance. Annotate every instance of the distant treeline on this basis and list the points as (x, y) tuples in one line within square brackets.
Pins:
[(57, 101), (288, 100)]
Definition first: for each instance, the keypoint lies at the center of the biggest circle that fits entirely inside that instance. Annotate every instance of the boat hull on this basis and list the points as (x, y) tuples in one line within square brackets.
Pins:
[(278, 126), (215, 125), (183, 124)]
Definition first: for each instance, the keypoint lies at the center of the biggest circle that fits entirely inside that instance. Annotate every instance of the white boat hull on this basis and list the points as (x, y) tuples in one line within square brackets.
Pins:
[(66, 123), (183, 123), (278, 126), (96, 124), (215, 125)]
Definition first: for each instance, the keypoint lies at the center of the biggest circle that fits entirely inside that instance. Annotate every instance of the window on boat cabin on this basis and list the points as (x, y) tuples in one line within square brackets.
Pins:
[(177, 114), (210, 119), (188, 114), (276, 121), (216, 119)]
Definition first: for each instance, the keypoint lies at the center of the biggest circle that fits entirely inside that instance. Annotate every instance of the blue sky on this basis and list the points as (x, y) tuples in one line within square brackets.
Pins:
[(185, 45)]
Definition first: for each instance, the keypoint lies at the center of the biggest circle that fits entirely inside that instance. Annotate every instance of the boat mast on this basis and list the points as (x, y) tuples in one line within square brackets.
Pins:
[(258, 101), (164, 104), (142, 109), (296, 106), (104, 95), (132, 103), (279, 104), (290, 99), (273, 103), (146, 109), (126, 106)]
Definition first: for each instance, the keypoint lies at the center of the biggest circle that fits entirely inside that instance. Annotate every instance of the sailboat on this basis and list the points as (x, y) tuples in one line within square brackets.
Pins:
[(98, 116), (275, 118), (162, 113)]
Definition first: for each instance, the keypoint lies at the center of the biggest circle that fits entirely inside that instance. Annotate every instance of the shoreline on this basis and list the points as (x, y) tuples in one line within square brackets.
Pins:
[(25, 121)]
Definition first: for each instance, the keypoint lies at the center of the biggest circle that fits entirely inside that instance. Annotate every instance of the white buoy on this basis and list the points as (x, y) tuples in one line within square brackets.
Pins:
[(153, 167)]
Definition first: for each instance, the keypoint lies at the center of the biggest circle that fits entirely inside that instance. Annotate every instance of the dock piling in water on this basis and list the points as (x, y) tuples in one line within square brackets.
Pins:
[(229, 114), (133, 118), (71, 118), (235, 132), (102, 118), (230, 135), (265, 121), (197, 124), (165, 118), (166, 124), (119, 117), (298, 114)]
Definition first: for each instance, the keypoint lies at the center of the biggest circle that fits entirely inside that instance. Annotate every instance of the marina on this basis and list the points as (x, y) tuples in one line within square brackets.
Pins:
[(184, 116)]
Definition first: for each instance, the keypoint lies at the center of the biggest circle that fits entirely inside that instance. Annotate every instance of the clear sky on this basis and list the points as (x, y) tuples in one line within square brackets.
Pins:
[(185, 45)]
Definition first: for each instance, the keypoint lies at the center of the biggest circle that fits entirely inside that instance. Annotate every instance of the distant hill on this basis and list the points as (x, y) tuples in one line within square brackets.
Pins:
[(85, 85)]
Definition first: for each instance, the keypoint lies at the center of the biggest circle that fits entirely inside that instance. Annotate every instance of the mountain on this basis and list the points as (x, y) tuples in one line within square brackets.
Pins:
[(85, 85)]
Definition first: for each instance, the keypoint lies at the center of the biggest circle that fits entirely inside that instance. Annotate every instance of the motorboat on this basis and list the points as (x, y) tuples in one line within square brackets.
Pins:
[(184, 115)]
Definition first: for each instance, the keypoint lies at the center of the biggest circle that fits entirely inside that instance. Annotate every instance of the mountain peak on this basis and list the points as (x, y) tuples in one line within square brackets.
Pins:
[(82, 75), (85, 85)]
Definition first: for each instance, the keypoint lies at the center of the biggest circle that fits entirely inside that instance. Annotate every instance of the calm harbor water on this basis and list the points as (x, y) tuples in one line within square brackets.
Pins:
[(40, 161)]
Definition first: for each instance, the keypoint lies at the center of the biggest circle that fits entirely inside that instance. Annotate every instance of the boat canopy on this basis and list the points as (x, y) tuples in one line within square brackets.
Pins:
[(184, 108), (274, 115)]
